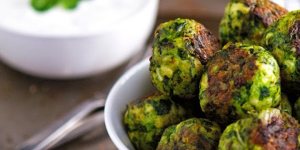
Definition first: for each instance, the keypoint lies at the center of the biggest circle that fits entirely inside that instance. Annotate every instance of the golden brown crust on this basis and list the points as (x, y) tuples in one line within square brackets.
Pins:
[(275, 135), (235, 66), (294, 32), (205, 44), (199, 140), (267, 11), (296, 44)]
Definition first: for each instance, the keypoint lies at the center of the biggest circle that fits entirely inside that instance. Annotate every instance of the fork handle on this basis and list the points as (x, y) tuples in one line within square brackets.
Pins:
[(65, 126)]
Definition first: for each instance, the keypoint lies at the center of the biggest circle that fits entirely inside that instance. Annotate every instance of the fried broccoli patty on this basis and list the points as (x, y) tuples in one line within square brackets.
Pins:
[(285, 105), (238, 79), (191, 134), (245, 21), (269, 130), (146, 119), (282, 39), (181, 48)]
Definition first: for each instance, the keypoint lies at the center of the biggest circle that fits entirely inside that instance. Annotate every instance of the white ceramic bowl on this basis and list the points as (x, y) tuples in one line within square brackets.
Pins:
[(78, 55), (134, 84)]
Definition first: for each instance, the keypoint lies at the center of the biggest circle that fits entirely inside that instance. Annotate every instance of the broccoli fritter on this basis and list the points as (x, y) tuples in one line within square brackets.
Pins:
[(191, 134), (285, 105), (282, 39), (245, 21), (238, 79), (181, 48), (269, 130), (146, 119)]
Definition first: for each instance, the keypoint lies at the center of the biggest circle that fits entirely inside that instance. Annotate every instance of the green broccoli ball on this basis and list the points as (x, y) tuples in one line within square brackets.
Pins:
[(239, 79), (269, 130), (146, 119), (245, 21), (181, 48), (282, 39), (191, 134), (285, 105)]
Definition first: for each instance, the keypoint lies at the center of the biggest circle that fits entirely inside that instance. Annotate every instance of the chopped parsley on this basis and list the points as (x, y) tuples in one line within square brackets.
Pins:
[(44, 5)]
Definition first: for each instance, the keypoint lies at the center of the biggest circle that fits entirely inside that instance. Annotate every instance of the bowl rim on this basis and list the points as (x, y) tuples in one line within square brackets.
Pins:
[(122, 22), (116, 87)]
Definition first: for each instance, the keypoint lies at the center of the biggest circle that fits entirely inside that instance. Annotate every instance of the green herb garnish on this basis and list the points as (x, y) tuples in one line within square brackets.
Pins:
[(69, 4), (44, 5)]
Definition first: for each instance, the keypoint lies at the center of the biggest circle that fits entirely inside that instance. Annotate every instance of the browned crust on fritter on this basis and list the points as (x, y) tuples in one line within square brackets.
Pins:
[(197, 140), (275, 135), (205, 44), (294, 32), (235, 66), (265, 10)]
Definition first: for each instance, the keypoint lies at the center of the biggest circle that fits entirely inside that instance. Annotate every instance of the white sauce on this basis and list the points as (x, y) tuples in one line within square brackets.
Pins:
[(290, 5), (90, 16)]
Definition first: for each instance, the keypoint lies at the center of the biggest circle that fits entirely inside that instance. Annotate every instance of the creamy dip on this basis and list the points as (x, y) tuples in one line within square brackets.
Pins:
[(90, 16), (290, 5)]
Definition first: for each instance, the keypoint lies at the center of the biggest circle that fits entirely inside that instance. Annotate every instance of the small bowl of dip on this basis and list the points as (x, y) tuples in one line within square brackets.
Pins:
[(92, 38)]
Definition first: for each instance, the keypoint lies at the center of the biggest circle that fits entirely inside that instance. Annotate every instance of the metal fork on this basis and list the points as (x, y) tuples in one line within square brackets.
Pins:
[(84, 118)]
